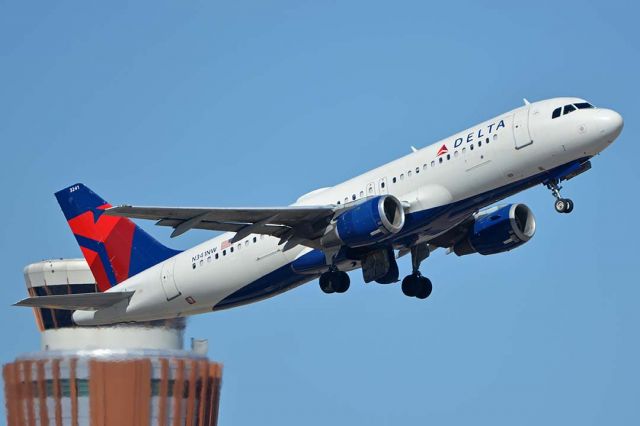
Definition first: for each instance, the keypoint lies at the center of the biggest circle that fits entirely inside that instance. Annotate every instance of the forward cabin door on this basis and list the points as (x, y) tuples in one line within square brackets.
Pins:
[(168, 282), (521, 133)]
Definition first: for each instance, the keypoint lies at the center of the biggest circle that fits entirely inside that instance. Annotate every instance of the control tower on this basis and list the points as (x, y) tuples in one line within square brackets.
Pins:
[(126, 374)]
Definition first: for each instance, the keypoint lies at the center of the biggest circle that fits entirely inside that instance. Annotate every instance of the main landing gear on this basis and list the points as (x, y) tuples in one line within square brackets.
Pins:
[(334, 281), (415, 285), (562, 205)]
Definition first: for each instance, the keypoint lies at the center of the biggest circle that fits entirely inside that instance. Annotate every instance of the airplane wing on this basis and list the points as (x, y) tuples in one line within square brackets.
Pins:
[(84, 301), (293, 224)]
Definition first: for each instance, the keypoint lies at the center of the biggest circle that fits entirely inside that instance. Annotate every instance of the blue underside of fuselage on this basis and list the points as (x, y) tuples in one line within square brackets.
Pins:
[(431, 221)]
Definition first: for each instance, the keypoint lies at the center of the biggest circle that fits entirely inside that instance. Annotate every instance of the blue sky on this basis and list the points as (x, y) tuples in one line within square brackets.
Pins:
[(255, 103)]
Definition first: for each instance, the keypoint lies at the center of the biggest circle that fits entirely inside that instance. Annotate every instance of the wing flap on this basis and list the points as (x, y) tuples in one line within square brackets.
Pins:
[(85, 301), (284, 215), (306, 223)]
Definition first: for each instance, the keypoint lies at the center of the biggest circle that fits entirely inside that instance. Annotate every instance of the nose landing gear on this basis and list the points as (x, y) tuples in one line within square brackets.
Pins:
[(562, 205)]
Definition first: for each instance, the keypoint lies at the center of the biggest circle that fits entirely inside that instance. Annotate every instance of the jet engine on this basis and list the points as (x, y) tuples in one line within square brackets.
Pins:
[(366, 223), (498, 231)]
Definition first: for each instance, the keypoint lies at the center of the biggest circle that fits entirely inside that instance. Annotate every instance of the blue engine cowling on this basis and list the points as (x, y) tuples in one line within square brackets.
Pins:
[(366, 223), (499, 230)]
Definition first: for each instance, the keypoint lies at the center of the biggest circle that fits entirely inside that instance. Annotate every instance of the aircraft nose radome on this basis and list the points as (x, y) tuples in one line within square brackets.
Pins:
[(611, 123)]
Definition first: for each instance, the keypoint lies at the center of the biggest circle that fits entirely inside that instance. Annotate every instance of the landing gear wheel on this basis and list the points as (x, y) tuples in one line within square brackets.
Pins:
[(424, 288), (334, 282), (341, 282), (561, 205), (325, 283), (569, 206), (410, 285)]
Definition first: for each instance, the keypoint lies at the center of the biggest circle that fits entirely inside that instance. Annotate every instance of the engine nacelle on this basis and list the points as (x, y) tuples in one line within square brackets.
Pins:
[(366, 223), (498, 231)]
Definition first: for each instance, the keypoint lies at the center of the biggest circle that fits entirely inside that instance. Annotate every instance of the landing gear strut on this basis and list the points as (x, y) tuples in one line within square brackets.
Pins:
[(562, 205), (334, 281), (415, 285)]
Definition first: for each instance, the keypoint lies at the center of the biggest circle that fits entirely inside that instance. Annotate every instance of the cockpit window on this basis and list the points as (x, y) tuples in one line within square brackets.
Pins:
[(583, 105), (570, 108)]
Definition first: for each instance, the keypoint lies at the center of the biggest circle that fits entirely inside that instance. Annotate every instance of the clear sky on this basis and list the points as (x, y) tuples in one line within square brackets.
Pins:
[(255, 103)]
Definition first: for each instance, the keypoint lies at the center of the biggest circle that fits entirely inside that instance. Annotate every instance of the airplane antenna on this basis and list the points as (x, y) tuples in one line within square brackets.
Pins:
[(526, 102), (413, 149)]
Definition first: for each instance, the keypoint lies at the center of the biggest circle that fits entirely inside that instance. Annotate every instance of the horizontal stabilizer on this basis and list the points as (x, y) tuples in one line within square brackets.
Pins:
[(86, 301)]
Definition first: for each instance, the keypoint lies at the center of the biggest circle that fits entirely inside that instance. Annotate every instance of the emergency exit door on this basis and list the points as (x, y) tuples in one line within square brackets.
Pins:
[(168, 282)]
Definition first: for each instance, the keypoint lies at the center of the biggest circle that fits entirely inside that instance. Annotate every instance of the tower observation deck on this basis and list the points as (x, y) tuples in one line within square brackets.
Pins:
[(125, 374)]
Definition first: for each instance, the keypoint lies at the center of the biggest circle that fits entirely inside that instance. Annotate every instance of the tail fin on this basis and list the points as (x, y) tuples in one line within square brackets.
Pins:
[(115, 248)]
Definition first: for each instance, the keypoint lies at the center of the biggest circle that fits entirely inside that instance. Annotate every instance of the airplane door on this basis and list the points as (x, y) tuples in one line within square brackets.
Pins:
[(382, 186), (168, 282), (371, 189), (521, 133)]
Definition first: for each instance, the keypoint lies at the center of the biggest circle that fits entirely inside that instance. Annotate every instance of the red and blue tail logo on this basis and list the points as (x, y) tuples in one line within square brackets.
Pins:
[(114, 247)]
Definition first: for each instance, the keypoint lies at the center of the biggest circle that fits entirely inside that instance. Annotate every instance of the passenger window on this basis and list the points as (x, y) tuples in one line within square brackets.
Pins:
[(224, 252), (193, 265), (464, 150), (201, 262), (209, 259), (479, 144), (417, 170), (353, 197), (448, 156), (424, 166), (440, 160), (394, 179), (231, 249), (433, 163), (409, 173), (556, 113), (346, 200), (487, 141), (455, 154), (495, 137), (402, 176), (568, 109), (381, 184), (246, 243), (255, 239), (361, 194), (217, 256), (471, 147)]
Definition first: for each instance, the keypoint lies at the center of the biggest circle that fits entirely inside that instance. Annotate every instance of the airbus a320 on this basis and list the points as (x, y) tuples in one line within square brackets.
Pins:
[(440, 196)]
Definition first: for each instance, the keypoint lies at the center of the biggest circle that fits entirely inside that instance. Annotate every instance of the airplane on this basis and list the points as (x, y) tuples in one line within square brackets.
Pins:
[(439, 196)]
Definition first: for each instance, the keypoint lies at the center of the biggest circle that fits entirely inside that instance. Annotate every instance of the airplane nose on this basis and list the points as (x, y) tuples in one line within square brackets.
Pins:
[(610, 124)]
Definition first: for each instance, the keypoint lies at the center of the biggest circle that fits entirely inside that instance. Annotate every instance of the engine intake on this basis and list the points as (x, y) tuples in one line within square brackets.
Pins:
[(498, 231), (367, 223)]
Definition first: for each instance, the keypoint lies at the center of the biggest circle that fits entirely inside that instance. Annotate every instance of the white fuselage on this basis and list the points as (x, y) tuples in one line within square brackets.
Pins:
[(503, 152)]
